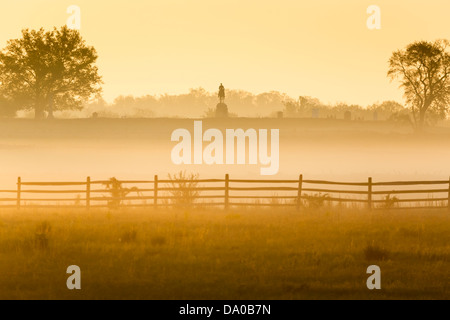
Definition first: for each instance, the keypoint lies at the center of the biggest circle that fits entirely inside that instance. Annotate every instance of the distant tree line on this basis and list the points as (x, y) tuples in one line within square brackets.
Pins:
[(196, 103), (307, 107), (54, 72), (199, 103)]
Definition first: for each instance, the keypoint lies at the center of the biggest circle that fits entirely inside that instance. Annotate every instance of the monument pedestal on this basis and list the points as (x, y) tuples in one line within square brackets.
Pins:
[(221, 110)]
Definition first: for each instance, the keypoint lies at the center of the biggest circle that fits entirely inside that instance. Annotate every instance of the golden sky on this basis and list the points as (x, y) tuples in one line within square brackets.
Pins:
[(319, 48)]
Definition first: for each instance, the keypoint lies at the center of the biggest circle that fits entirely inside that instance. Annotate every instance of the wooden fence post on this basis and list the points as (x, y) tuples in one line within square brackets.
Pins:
[(300, 188), (227, 191), (155, 192), (88, 193), (19, 191), (369, 196)]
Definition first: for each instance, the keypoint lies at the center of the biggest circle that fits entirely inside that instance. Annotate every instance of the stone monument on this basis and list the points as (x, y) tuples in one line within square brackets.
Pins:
[(221, 108)]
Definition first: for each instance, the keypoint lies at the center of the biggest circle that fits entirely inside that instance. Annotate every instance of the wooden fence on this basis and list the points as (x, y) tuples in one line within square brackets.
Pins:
[(227, 193)]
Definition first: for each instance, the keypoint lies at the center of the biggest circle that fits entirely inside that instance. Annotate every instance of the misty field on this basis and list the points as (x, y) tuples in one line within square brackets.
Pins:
[(138, 149), (212, 254)]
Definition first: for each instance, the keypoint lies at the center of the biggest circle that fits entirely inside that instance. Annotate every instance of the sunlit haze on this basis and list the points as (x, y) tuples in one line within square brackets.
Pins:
[(313, 48)]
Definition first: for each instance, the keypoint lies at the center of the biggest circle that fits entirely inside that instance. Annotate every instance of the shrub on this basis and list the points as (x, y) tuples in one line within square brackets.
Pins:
[(118, 192), (316, 201), (129, 236), (184, 188), (158, 241), (389, 202), (373, 252)]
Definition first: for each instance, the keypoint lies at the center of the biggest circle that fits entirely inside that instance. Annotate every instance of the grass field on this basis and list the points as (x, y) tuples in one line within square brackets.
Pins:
[(240, 254)]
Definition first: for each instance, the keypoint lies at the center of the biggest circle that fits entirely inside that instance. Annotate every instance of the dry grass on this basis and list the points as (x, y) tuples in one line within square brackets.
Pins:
[(374, 253), (241, 254)]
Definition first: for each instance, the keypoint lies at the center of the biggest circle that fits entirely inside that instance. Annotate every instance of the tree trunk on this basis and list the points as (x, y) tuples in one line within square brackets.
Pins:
[(50, 107), (421, 122), (39, 109), (50, 113)]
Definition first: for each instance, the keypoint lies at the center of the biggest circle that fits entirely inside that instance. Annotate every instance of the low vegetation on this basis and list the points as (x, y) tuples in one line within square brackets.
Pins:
[(317, 253)]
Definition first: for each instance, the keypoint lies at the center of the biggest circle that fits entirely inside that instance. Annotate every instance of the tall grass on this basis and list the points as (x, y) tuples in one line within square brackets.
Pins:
[(243, 253)]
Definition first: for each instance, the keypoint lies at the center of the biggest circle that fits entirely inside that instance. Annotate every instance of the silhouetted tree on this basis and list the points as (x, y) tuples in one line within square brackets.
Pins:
[(387, 110), (48, 71), (424, 71)]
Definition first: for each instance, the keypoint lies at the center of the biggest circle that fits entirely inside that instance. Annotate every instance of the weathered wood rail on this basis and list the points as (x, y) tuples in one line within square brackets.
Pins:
[(227, 193)]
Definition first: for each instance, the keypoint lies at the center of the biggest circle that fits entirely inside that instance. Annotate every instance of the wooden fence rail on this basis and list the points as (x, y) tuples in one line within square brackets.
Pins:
[(226, 192)]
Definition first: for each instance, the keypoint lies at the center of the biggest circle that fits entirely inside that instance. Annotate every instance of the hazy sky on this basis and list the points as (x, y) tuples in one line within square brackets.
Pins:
[(320, 48)]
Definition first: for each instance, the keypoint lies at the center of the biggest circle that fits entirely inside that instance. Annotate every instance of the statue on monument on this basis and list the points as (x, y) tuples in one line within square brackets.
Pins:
[(221, 108), (221, 93)]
